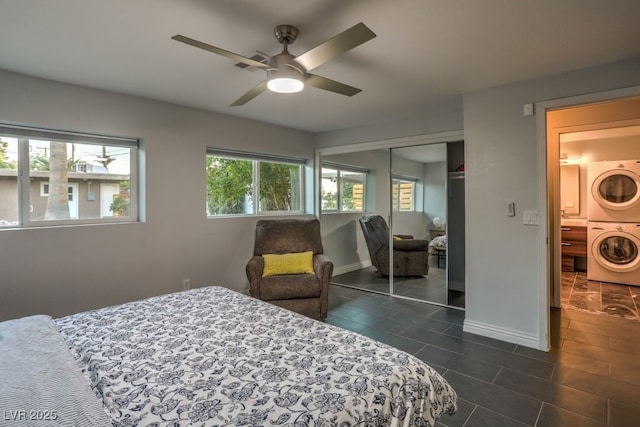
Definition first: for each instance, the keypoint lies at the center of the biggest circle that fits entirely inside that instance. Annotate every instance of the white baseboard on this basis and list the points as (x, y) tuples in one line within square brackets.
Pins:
[(502, 334), (351, 267)]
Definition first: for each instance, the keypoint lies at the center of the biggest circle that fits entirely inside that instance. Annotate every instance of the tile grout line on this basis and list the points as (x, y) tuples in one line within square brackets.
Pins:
[(497, 374), (539, 414), (470, 414)]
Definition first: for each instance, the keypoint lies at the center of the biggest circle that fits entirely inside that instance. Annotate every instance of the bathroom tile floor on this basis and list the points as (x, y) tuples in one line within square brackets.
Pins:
[(591, 376), (578, 293)]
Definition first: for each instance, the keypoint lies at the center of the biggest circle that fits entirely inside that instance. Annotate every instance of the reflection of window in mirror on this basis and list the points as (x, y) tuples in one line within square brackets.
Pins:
[(570, 189)]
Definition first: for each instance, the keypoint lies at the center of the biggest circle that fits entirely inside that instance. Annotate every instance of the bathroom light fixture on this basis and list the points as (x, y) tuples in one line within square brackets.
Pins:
[(570, 160)]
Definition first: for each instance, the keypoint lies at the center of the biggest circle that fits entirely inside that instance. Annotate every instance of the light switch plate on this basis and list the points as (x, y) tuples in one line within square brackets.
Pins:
[(530, 217)]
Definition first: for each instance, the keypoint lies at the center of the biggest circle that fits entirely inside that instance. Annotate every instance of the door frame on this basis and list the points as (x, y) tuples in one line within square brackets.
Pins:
[(549, 197)]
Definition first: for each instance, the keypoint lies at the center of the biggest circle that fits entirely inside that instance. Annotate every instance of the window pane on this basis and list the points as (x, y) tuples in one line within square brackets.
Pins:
[(280, 187), (8, 181), (406, 190), (352, 191), (71, 180), (229, 186), (395, 188), (329, 189)]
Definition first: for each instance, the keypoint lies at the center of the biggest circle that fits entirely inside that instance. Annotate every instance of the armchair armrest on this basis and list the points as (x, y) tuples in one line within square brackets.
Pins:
[(411, 245), (254, 270), (323, 267)]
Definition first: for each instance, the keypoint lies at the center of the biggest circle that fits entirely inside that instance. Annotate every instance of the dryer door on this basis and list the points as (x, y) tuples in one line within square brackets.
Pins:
[(616, 189), (617, 251)]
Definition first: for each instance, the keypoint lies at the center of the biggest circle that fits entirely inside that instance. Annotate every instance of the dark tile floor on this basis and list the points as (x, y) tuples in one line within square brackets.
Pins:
[(600, 297), (431, 287), (591, 377)]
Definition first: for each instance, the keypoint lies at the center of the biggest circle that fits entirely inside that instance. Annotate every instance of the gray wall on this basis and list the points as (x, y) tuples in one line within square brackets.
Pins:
[(503, 265), (63, 270), (502, 255)]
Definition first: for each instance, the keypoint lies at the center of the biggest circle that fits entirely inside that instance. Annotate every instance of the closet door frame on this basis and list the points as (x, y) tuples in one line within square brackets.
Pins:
[(425, 139)]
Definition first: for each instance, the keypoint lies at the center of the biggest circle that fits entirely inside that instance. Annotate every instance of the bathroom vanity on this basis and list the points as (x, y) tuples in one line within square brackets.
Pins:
[(573, 242)]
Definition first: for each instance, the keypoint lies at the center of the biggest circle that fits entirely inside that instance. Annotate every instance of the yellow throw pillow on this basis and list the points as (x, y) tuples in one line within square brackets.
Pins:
[(397, 238), (293, 263)]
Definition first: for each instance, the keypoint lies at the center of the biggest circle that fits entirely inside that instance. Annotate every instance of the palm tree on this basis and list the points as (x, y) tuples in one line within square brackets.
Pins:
[(58, 201)]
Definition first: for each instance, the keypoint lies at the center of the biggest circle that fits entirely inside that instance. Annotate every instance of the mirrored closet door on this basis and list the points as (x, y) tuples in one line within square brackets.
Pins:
[(386, 220), (354, 193)]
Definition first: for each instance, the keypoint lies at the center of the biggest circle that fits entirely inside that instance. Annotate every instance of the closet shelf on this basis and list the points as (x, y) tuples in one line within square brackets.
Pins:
[(456, 175)]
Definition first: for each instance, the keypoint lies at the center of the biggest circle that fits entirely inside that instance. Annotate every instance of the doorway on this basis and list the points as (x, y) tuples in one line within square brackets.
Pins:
[(581, 140)]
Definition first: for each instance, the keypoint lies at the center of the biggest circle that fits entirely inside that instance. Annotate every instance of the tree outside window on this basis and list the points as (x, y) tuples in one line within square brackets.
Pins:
[(234, 185)]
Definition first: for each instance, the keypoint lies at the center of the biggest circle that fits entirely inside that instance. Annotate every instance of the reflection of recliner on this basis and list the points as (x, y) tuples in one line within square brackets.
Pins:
[(410, 256)]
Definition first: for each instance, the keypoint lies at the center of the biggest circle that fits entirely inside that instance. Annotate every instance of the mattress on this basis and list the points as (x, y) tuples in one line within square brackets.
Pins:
[(213, 357)]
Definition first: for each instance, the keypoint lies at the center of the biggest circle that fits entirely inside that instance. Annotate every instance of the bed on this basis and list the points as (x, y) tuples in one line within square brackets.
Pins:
[(215, 357), (438, 247)]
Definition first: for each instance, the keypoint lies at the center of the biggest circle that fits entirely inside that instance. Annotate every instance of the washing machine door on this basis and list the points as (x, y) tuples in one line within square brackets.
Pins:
[(617, 189), (617, 251)]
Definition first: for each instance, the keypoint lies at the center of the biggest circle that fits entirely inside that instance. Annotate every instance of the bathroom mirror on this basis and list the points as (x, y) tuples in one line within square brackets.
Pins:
[(570, 189)]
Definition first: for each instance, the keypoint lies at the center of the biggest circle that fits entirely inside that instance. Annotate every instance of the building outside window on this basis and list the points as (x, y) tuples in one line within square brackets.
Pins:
[(59, 178)]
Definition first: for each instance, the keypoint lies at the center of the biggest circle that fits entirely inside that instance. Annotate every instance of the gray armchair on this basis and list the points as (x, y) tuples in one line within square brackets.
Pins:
[(410, 256), (306, 294)]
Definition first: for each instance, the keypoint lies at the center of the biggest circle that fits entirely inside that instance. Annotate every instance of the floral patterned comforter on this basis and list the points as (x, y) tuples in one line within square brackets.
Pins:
[(214, 357)]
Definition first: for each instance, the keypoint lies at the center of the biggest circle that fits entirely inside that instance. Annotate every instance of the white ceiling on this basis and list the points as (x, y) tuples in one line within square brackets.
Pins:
[(426, 53)]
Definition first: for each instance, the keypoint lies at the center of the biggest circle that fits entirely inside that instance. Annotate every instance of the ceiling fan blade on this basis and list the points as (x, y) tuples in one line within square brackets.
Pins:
[(335, 46), (257, 90), (330, 85), (208, 47)]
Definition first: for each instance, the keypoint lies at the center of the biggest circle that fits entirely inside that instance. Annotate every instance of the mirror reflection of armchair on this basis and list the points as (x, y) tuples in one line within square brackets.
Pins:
[(410, 256)]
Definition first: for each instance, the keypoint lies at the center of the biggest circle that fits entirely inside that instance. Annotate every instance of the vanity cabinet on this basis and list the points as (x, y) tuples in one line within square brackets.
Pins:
[(573, 244)]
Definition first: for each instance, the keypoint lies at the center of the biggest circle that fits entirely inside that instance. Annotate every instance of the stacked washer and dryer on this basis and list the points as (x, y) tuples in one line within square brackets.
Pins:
[(613, 221)]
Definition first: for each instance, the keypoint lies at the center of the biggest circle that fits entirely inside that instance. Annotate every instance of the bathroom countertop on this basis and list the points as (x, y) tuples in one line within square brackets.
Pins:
[(573, 222)]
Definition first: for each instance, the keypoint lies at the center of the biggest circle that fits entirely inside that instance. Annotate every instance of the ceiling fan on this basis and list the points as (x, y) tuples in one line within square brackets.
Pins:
[(287, 73)]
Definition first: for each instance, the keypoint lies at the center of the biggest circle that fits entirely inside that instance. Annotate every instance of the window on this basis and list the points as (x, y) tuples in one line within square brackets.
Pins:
[(241, 183), (55, 178), (403, 194), (342, 189)]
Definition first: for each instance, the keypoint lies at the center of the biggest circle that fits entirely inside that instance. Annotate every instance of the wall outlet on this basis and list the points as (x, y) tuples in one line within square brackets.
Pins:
[(186, 284)]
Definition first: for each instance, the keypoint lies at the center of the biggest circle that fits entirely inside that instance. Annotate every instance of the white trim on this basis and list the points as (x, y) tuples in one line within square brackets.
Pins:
[(545, 275), (352, 267), (407, 141), (502, 334)]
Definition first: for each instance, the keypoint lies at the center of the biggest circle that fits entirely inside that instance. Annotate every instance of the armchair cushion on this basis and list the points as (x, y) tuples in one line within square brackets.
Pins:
[(291, 286), (293, 263), (411, 245)]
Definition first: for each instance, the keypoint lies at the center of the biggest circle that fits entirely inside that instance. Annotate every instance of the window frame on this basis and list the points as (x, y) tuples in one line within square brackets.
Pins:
[(340, 169), (257, 158), (396, 181), (23, 181)]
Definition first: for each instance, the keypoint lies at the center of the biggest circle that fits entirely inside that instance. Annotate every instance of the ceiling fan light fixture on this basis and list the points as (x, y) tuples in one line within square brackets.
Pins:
[(284, 77), (285, 85)]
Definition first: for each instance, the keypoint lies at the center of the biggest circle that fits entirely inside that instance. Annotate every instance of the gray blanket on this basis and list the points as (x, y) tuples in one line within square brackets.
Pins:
[(40, 382)]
